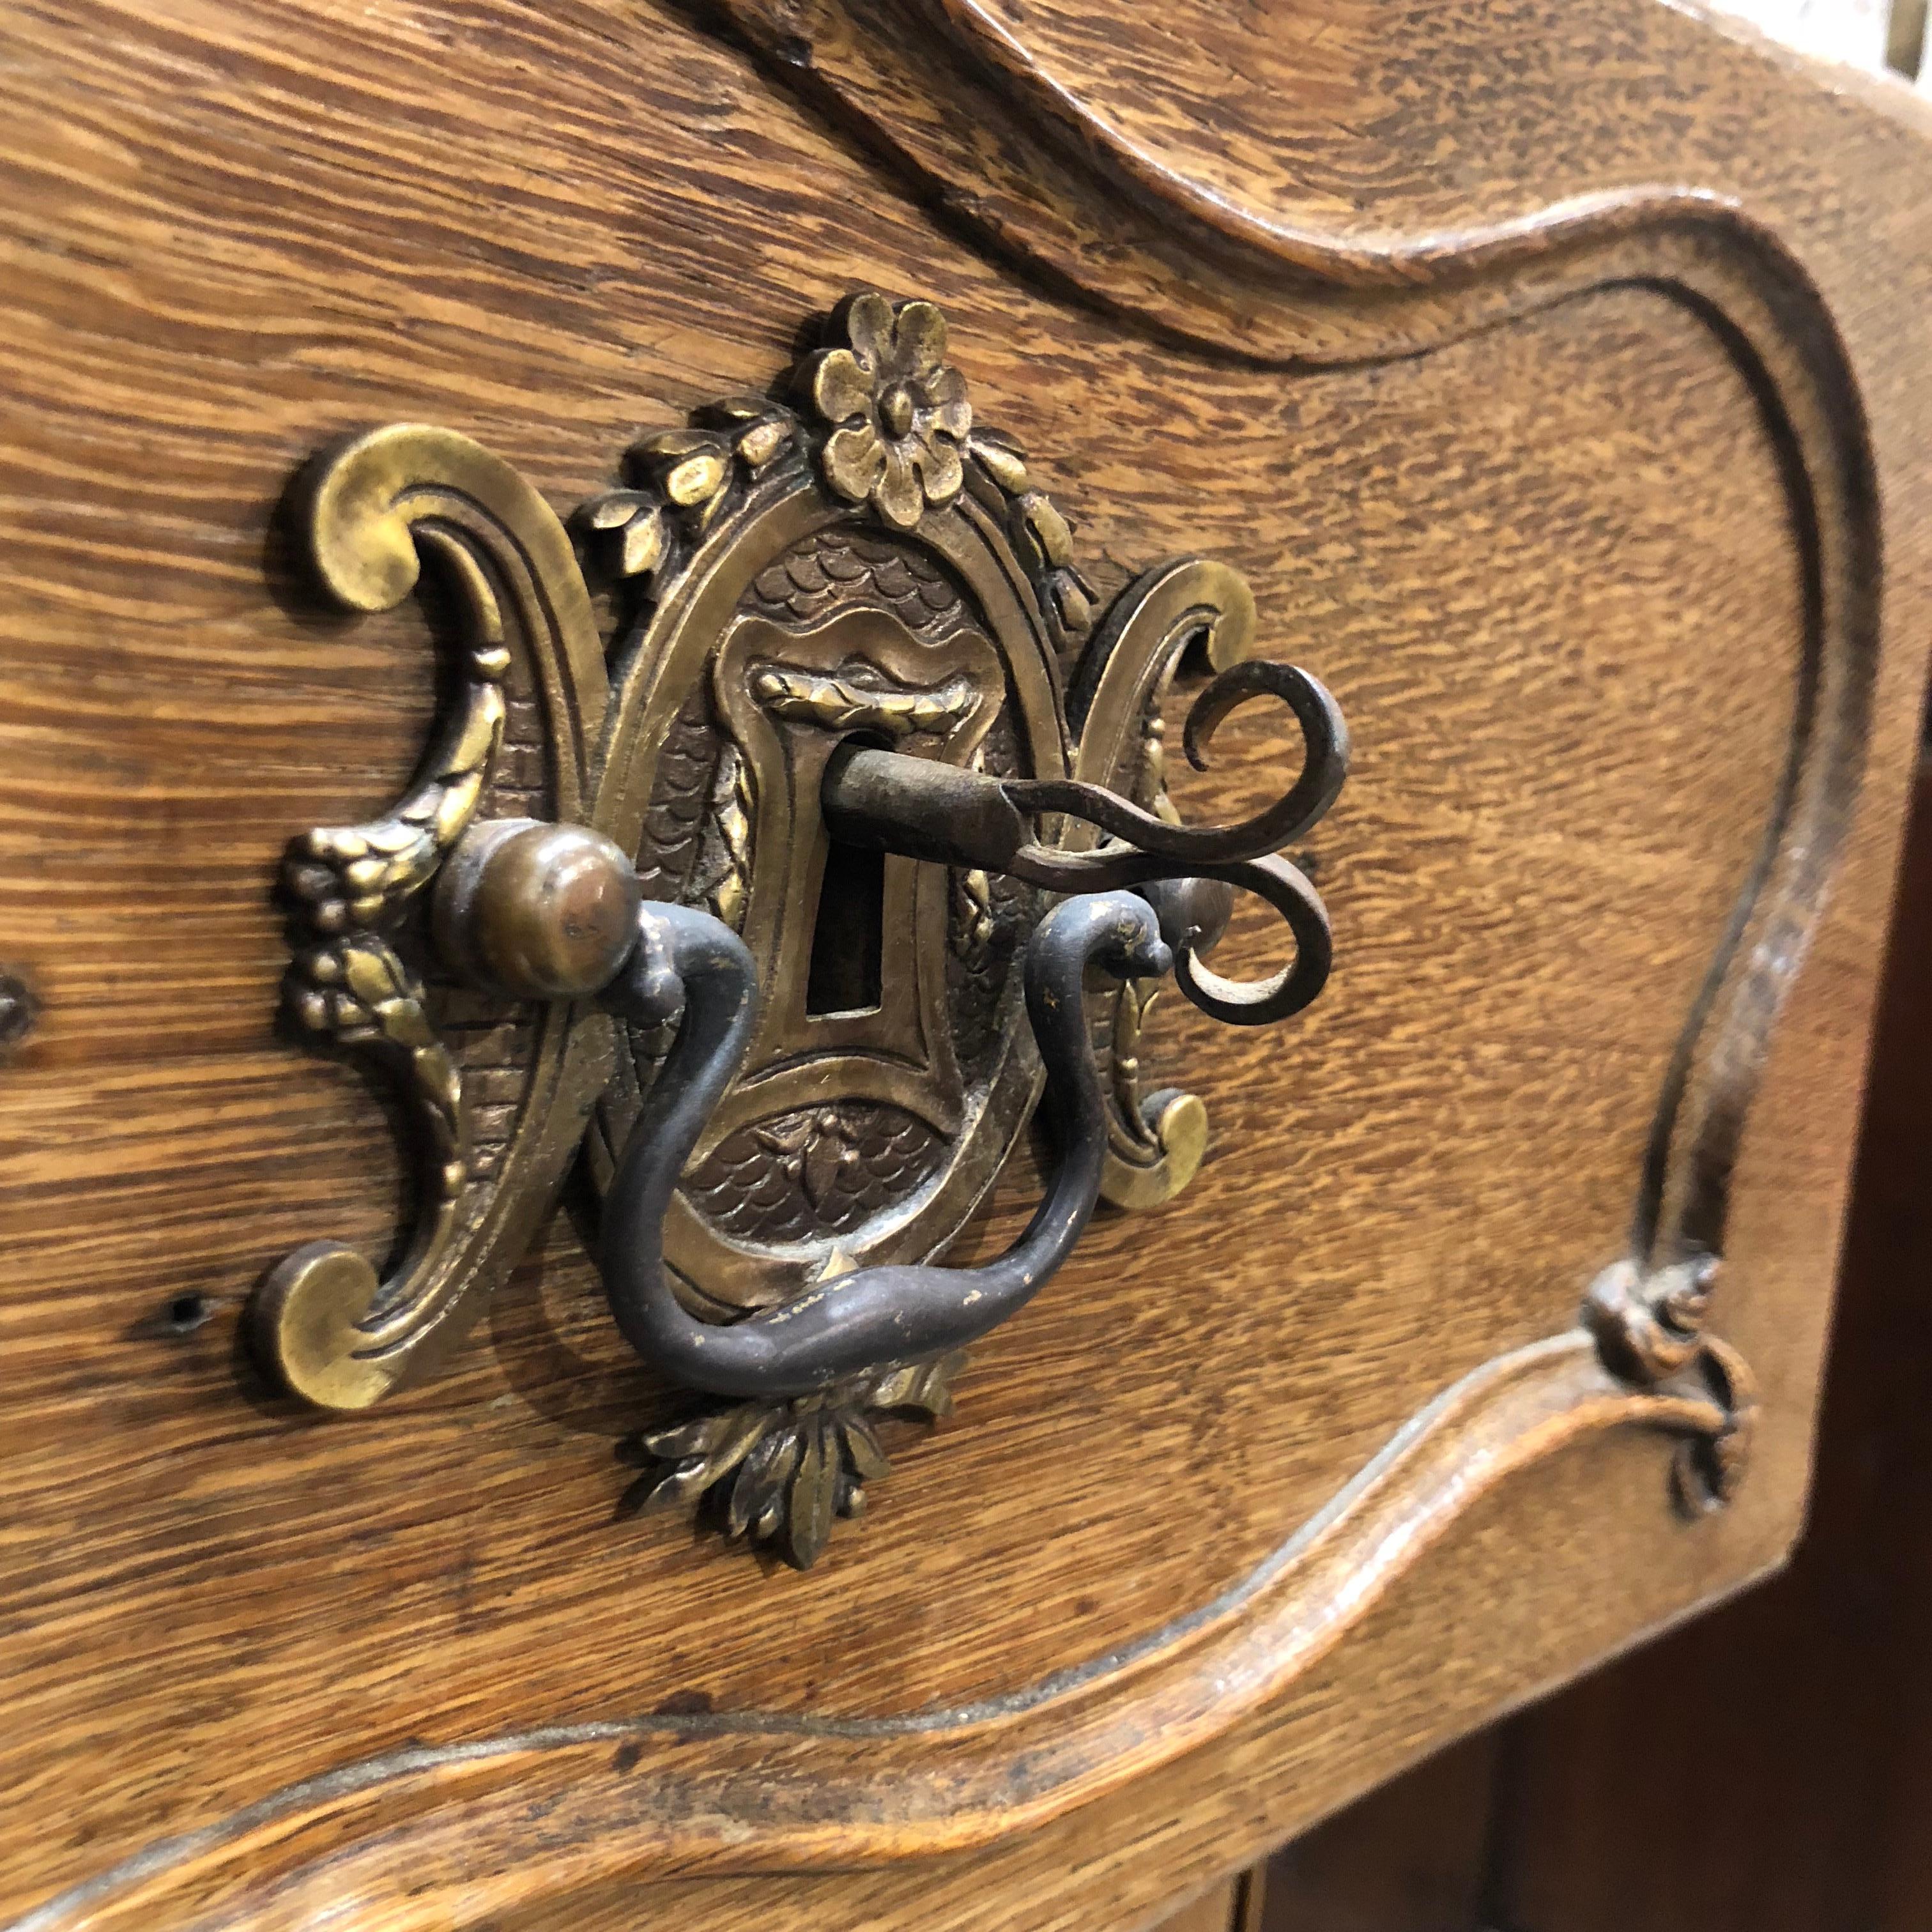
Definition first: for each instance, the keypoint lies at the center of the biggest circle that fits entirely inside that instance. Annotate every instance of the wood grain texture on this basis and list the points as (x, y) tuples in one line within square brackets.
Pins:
[(1824, 1822), (1572, 572), (1817, 1683)]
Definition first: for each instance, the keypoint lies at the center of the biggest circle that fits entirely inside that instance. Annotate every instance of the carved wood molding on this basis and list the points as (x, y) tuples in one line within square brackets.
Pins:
[(755, 1790), (1110, 224)]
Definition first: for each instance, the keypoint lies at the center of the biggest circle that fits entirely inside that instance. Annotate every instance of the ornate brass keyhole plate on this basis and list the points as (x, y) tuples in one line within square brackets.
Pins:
[(861, 569), (862, 1128)]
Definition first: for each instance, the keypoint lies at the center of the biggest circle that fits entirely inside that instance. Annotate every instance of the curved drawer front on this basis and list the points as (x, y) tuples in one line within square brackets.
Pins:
[(605, 627)]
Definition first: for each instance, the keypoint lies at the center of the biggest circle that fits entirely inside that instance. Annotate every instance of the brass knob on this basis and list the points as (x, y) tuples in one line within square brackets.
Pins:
[(546, 912)]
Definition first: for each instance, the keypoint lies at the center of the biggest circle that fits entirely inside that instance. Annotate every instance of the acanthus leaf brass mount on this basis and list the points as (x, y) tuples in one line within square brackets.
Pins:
[(775, 900)]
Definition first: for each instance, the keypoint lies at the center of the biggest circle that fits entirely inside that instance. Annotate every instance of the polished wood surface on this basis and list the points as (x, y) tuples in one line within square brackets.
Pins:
[(1273, 1490), (1810, 1812)]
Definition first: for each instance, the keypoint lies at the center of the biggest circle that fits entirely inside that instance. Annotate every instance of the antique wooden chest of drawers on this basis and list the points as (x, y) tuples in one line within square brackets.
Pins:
[(608, 611)]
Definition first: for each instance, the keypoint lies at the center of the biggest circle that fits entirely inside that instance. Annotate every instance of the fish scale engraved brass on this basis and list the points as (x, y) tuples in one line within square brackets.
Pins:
[(803, 846)]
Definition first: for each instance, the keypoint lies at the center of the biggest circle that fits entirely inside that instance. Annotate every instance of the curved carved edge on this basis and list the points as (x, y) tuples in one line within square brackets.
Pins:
[(1036, 171), (1740, 279), (374, 508), (979, 1771)]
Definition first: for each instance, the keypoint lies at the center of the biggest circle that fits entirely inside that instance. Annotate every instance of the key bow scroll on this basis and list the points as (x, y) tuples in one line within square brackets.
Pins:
[(784, 912)]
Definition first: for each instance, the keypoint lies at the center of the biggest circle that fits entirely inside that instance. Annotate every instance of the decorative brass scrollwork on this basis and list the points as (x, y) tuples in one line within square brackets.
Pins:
[(775, 902), (375, 510)]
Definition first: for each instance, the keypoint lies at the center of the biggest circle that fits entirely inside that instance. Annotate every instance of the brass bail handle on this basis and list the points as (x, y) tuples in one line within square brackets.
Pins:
[(882, 609)]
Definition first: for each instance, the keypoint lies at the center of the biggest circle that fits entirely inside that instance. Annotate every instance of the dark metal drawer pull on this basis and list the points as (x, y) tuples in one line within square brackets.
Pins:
[(901, 1311)]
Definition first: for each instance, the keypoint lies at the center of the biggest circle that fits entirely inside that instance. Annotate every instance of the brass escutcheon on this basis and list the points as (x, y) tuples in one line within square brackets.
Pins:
[(865, 785)]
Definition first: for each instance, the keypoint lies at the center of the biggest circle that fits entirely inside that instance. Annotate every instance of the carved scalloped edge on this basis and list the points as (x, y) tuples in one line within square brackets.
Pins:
[(456, 1811)]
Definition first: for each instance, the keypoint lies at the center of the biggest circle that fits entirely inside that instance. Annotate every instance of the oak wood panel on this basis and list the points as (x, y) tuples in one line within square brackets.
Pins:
[(1578, 699), (445, 1544), (1818, 1685), (1810, 1814)]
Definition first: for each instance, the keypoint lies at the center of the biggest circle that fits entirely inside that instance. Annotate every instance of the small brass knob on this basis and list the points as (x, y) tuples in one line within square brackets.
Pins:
[(547, 912)]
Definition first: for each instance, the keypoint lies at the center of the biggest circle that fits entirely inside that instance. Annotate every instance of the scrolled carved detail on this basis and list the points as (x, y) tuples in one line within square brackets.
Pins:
[(1709, 1464), (1648, 1328), (1155, 1141), (1649, 1325), (1181, 1685)]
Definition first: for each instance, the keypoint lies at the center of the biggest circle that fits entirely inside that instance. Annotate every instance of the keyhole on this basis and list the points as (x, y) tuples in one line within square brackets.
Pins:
[(848, 934)]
